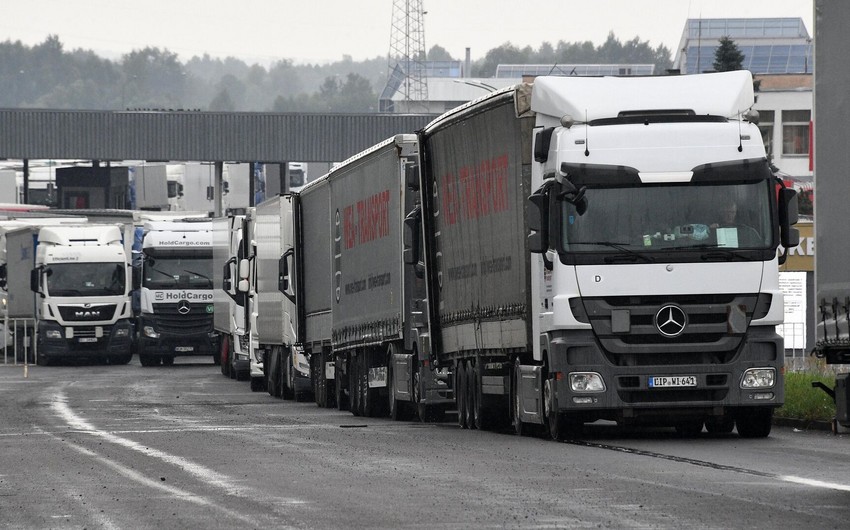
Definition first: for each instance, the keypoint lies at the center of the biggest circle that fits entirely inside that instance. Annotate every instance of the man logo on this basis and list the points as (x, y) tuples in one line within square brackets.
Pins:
[(183, 307), (671, 321)]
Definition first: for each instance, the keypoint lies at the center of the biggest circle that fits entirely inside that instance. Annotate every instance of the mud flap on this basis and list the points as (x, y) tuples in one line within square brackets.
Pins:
[(530, 394)]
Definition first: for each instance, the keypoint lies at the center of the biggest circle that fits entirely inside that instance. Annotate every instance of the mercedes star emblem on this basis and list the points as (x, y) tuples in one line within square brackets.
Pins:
[(183, 307), (671, 321)]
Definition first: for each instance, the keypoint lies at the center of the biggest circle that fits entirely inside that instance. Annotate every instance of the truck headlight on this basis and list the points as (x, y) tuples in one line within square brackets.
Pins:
[(150, 332), (586, 382), (53, 334), (759, 378)]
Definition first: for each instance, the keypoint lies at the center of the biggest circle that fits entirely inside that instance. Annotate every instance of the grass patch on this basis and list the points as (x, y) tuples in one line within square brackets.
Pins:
[(804, 402)]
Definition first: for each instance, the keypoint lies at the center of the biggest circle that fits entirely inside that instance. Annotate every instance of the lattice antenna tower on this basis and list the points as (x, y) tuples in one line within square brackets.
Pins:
[(406, 60)]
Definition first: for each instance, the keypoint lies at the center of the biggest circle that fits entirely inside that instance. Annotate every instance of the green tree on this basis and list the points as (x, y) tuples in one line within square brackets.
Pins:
[(222, 102), (728, 57)]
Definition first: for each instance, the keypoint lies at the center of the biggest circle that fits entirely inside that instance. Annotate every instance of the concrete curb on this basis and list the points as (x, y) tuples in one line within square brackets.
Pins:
[(805, 425)]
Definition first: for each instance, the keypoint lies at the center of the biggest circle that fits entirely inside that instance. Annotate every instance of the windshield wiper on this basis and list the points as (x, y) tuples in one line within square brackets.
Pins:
[(618, 246), (721, 255), (163, 273)]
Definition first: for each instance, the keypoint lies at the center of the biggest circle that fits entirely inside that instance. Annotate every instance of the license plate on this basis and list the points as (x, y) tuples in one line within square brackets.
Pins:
[(88, 339), (672, 381), (184, 348)]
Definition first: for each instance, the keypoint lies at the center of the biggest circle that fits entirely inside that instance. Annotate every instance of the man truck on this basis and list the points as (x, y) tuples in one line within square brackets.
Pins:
[(573, 270), (82, 281), (176, 291)]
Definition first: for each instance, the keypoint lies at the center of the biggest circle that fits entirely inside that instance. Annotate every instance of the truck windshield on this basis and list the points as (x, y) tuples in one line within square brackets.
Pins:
[(175, 272), (86, 279), (639, 221)]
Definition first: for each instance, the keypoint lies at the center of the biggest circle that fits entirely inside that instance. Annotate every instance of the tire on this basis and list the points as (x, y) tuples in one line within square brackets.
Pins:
[(354, 386), (121, 359), (168, 360), (224, 355), (470, 395), (689, 428), (339, 389), (43, 360), (274, 374), (720, 424), (258, 384), (367, 406), (481, 414), (560, 427), (287, 390), (149, 360), (516, 403), (460, 394), (754, 422)]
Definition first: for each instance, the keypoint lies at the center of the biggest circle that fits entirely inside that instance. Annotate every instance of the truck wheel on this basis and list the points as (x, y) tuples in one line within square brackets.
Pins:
[(148, 360), (367, 406), (689, 428), (223, 355), (354, 386), (559, 425), (121, 359), (339, 388), (287, 386), (274, 377), (257, 384), (516, 401), (470, 395), (720, 424), (168, 360), (481, 413), (754, 422), (460, 394)]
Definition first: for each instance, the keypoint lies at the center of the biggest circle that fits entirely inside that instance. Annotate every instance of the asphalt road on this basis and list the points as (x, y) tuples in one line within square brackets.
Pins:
[(184, 447)]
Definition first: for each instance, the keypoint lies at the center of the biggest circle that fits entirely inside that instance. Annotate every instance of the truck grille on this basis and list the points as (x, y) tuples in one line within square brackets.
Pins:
[(168, 319), (87, 313), (628, 334)]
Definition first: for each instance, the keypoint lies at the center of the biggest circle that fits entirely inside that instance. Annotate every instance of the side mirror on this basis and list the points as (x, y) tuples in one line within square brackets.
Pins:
[(137, 277), (226, 276), (35, 276), (243, 286), (411, 177), (788, 215), (3, 276), (244, 269), (538, 219), (411, 237)]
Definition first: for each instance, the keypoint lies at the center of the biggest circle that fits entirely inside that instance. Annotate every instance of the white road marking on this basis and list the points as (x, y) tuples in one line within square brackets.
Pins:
[(203, 473), (815, 483)]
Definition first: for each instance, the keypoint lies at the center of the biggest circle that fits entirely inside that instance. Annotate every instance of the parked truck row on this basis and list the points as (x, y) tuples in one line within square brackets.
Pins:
[(551, 254)]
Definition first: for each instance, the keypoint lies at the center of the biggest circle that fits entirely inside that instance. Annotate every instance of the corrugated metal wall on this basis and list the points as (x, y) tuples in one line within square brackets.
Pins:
[(197, 136)]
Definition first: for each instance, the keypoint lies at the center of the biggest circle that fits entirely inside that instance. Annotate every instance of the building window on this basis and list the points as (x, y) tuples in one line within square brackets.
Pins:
[(766, 128), (795, 132)]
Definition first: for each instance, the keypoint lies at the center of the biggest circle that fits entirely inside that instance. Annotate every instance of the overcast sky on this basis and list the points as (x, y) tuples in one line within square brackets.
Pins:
[(320, 31)]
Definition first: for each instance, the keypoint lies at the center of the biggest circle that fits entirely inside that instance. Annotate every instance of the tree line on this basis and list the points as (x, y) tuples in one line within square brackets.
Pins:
[(46, 75)]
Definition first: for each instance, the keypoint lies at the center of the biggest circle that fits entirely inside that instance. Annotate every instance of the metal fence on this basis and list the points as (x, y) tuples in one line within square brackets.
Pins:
[(17, 341)]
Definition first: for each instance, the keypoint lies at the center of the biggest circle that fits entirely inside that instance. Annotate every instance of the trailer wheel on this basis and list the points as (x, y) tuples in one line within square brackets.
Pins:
[(339, 388), (481, 413), (470, 395), (754, 422), (460, 394)]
